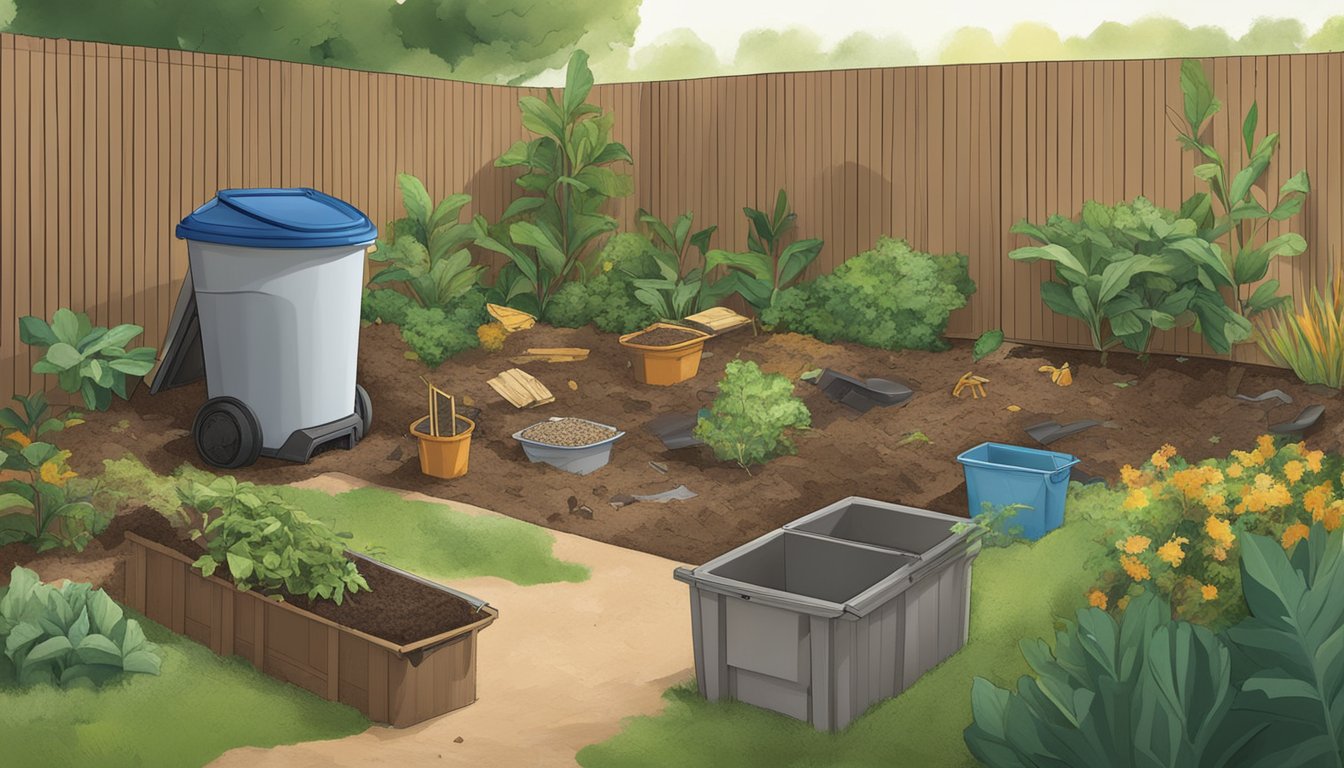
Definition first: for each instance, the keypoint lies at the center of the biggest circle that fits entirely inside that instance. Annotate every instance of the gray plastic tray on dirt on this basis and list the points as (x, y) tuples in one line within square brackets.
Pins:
[(1048, 432), (1307, 419), (676, 430), (863, 394)]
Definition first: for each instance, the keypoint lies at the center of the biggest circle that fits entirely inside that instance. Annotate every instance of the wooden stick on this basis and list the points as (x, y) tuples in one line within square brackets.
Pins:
[(452, 407)]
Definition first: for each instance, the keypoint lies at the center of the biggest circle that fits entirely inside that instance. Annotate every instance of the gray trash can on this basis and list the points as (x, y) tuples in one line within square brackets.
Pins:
[(270, 315), (833, 612)]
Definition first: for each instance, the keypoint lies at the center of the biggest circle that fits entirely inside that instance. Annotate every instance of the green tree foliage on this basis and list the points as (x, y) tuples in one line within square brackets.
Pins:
[(892, 297), (496, 41)]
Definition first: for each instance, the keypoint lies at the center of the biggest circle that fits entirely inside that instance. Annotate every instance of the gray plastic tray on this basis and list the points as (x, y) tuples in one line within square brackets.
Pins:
[(579, 460)]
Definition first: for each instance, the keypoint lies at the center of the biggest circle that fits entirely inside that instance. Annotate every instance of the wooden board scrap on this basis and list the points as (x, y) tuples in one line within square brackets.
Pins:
[(521, 389), (718, 320), (551, 355), (512, 319)]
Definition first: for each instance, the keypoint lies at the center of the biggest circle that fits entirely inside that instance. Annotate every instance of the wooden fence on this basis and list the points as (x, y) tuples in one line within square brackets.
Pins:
[(104, 148)]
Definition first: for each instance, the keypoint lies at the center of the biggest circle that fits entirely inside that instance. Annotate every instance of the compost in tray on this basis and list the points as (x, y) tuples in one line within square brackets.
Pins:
[(568, 433)]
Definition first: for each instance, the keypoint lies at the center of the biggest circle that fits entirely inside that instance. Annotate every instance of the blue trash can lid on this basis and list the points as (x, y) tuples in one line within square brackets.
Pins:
[(277, 218)]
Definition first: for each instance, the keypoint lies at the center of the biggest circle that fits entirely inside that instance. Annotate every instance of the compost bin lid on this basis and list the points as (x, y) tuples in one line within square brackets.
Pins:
[(277, 218)]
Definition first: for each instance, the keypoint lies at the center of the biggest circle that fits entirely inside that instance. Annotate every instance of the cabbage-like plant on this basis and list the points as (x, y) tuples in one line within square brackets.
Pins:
[(91, 361), (428, 248), (69, 635), (1129, 270)]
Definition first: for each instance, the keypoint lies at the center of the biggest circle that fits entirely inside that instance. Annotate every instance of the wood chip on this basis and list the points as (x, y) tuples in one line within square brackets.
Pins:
[(551, 355), (521, 389), (512, 319), (573, 385), (718, 320)]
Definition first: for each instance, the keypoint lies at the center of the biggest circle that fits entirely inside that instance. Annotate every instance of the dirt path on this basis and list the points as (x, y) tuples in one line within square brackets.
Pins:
[(561, 668)]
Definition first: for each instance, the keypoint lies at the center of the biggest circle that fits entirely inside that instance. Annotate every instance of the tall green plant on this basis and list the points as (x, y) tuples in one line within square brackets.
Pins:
[(568, 177), (91, 361), (678, 289), (427, 250), (768, 266), (1128, 270), (1239, 218)]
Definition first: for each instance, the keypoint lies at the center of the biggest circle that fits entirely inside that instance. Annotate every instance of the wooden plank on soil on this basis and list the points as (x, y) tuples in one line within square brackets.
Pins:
[(521, 389)]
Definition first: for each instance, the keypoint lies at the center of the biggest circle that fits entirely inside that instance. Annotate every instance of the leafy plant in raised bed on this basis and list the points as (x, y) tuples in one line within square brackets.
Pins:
[(567, 171), (42, 502), (1310, 342), (675, 291), (1128, 270), (768, 266), (1242, 218), (267, 544), (892, 297), (91, 361), (607, 298), (1184, 523), (69, 635), (427, 250), (752, 416)]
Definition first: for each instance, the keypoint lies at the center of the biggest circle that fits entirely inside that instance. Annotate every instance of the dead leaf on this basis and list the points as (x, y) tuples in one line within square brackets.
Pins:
[(574, 385), (1014, 408)]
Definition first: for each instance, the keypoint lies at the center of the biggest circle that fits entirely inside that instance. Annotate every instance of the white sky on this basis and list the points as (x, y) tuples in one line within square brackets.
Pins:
[(925, 23)]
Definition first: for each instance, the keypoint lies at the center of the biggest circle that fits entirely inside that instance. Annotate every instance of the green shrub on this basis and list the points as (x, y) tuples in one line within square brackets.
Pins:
[(892, 297), (91, 361), (1145, 691), (435, 335), (384, 305), (607, 299), (994, 526), (69, 635), (752, 416), (268, 545), (768, 267)]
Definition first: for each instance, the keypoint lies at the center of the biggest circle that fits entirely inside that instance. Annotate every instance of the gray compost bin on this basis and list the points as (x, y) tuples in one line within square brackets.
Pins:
[(833, 612)]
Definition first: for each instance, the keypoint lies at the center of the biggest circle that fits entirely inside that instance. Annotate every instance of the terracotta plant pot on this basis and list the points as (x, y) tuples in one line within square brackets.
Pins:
[(663, 366), (445, 456)]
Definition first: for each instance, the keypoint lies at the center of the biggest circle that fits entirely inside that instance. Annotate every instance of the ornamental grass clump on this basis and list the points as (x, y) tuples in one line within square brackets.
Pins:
[(753, 416), (1184, 523), (1311, 341)]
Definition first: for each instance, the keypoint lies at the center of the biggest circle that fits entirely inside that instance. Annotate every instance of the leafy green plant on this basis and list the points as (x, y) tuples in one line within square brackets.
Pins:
[(435, 335), (69, 635), (1287, 657), (1310, 342), (427, 251), (768, 266), (568, 175), (91, 361), (988, 343), (1145, 691), (678, 290), (607, 298), (752, 416), (386, 305), (267, 544), (42, 502), (1128, 270), (994, 526), (1240, 218), (33, 417), (892, 297)]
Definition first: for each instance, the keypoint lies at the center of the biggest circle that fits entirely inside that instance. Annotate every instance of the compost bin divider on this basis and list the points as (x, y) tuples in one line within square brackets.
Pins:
[(397, 684)]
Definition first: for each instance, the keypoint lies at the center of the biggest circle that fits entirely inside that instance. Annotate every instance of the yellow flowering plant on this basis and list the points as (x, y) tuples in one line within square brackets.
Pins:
[(1183, 523), (42, 501)]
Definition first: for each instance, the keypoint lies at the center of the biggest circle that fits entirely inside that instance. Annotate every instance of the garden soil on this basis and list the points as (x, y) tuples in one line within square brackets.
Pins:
[(905, 454)]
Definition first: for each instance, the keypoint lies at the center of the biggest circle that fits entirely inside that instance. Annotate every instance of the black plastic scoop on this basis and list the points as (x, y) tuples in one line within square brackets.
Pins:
[(863, 394), (676, 430), (1048, 432), (1305, 420)]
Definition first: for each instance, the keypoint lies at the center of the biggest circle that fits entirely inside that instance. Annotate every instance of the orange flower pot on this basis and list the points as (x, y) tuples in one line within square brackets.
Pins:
[(446, 456), (663, 366)]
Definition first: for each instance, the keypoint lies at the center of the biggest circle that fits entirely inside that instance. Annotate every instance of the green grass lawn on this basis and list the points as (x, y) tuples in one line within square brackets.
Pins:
[(1017, 593), (198, 707)]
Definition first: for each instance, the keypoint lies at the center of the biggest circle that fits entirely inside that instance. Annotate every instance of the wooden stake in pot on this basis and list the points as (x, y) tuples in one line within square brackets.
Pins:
[(434, 394)]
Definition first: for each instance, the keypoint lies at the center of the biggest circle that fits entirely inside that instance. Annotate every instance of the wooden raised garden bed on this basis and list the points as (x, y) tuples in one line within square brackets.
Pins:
[(396, 683)]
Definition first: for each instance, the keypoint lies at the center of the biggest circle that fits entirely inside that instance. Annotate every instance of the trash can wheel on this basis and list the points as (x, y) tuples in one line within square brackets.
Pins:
[(363, 409), (227, 434)]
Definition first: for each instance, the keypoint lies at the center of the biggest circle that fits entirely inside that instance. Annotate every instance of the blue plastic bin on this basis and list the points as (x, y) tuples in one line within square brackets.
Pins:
[(1010, 474)]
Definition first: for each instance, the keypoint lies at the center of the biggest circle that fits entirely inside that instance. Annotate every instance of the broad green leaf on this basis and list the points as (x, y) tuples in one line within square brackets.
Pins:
[(98, 649), (68, 327), (415, 199), (578, 81), (49, 649), (987, 344), (142, 662), (549, 253), (1248, 127), (63, 356), (34, 331), (12, 500)]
